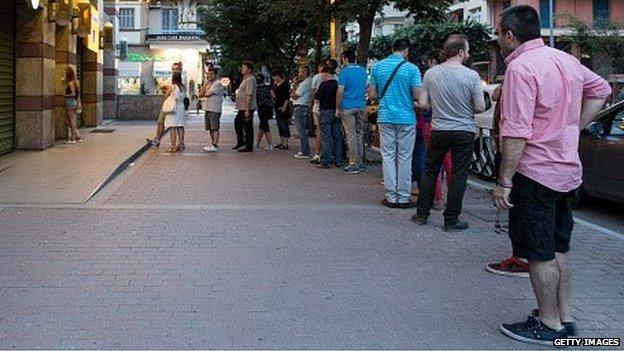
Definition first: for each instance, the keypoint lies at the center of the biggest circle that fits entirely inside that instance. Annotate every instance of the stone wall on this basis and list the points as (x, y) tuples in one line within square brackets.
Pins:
[(139, 107)]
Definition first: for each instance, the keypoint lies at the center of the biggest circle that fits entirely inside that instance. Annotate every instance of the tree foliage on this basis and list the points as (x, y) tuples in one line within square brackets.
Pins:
[(266, 32), (364, 11), (603, 44), (429, 35)]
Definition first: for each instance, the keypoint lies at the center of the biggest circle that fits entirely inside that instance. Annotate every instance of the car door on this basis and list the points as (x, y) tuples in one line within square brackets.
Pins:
[(603, 158)]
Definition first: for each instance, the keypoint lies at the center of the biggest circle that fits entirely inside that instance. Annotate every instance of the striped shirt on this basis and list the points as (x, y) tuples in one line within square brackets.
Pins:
[(397, 106)]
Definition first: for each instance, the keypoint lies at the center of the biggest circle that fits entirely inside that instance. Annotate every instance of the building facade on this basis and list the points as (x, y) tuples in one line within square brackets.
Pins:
[(470, 10), (589, 11), (151, 36), (39, 41), (386, 22)]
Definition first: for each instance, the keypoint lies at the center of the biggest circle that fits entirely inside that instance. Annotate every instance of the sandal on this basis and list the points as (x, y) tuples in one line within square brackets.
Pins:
[(172, 149)]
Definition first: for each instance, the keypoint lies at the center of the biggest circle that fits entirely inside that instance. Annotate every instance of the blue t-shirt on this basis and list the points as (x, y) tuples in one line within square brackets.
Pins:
[(397, 106), (353, 80)]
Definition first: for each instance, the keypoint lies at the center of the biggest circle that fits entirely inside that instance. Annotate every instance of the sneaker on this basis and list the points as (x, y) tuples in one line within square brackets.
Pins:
[(322, 166), (511, 266), (409, 204), (71, 142), (387, 203), (533, 331), (420, 220), (316, 159), (456, 224), (301, 156), (237, 147), (244, 149), (269, 148), (570, 327), (211, 148), (352, 169)]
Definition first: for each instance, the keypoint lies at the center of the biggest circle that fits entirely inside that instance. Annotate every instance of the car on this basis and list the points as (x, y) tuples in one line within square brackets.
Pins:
[(601, 149)]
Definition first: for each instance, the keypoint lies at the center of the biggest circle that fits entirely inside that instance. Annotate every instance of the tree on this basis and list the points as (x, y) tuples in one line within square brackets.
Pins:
[(364, 11), (602, 44), (267, 32)]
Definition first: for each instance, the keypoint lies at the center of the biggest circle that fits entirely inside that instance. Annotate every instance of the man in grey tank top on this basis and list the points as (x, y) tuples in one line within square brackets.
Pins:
[(455, 94)]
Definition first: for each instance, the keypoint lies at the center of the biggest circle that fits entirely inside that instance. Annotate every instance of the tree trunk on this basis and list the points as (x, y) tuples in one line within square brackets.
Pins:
[(366, 29)]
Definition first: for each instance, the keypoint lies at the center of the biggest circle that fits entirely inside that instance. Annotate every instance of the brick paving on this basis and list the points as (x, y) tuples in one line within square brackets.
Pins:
[(262, 251)]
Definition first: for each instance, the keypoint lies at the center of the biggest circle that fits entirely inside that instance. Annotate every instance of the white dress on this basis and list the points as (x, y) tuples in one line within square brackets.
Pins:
[(177, 119)]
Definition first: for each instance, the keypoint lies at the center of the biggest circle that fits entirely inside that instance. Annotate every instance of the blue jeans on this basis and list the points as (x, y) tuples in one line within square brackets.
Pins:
[(397, 147), (301, 117), (333, 140), (418, 157)]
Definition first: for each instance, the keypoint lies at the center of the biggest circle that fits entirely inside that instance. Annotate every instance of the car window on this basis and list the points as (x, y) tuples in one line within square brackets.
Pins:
[(617, 126)]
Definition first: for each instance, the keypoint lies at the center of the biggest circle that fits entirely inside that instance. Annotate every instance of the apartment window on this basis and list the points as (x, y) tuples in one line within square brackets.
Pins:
[(170, 19), (545, 12), (601, 11), (126, 18), (475, 14)]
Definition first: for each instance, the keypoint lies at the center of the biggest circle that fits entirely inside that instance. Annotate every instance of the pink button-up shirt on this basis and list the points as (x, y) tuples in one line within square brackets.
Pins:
[(543, 93)]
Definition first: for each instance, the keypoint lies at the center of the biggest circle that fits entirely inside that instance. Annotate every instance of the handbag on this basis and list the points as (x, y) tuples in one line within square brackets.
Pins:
[(168, 106), (79, 106)]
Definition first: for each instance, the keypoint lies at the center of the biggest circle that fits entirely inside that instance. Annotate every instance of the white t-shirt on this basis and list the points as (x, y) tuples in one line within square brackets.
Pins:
[(214, 103)]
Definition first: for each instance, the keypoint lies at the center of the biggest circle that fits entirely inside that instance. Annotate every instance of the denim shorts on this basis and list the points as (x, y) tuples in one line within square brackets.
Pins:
[(71, 103)]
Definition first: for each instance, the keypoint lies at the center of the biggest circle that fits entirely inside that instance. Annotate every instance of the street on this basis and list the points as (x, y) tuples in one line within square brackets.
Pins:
[(261, 251)]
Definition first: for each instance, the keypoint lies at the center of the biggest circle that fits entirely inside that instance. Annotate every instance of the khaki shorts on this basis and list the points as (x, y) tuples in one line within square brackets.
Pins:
[(212, 120), (316, 113)]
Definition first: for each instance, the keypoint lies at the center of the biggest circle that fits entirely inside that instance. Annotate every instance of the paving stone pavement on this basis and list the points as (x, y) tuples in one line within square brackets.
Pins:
[(262, 251)]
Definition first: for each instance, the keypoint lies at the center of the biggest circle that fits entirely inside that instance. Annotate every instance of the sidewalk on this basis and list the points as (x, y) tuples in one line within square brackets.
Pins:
[(225, 250), (70, 173)]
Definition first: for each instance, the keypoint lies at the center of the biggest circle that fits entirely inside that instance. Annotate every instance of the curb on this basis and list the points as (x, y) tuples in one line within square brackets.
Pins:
[(120, 169)]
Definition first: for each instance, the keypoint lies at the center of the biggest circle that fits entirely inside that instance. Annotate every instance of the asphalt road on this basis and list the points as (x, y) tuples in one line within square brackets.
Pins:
[(600, 212)]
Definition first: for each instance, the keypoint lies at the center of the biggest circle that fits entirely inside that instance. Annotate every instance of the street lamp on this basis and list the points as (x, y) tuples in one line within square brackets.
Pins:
[(333, 35)]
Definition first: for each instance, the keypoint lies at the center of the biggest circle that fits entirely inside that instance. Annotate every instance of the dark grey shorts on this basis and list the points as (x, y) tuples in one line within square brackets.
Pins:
[(540, 223), (212, 120)]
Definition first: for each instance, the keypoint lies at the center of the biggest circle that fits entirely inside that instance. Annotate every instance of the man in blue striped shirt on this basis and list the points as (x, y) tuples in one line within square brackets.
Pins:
[(397, 121)]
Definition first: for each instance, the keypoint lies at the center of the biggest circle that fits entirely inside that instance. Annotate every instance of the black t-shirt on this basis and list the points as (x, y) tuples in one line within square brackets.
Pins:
[(282, 94), (326, 94)]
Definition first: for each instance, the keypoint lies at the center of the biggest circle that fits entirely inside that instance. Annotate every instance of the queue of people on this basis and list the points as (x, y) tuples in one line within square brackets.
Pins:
[(427, 128)]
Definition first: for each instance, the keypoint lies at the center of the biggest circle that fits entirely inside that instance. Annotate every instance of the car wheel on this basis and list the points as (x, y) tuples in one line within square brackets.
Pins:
[(578, 198)]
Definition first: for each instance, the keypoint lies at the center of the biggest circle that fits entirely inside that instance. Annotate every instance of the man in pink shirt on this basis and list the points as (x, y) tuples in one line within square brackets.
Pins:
[(549, 97)]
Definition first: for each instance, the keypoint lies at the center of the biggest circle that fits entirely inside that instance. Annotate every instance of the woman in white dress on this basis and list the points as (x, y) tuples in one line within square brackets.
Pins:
[(177, 119)]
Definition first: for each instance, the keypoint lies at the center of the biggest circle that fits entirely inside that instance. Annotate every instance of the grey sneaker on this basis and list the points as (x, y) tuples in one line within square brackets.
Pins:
[(533, 331), (352, 169), (457, 224), (302, 156)]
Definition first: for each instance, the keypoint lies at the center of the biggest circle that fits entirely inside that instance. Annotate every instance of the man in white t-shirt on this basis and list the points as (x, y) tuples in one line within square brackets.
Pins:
[(212, 96)]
